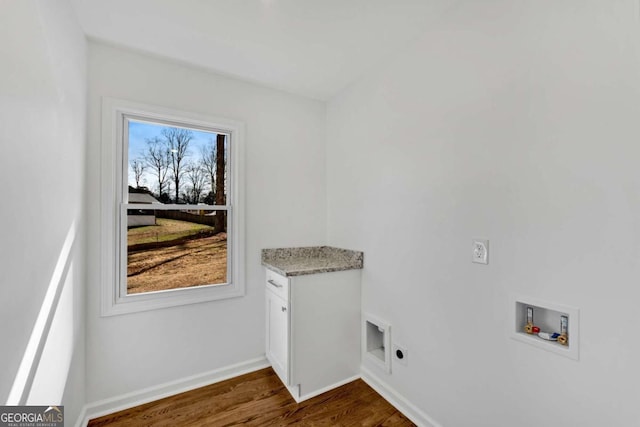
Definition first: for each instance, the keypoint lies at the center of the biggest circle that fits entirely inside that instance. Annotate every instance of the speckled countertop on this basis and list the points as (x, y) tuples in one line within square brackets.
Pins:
[(311, 260)]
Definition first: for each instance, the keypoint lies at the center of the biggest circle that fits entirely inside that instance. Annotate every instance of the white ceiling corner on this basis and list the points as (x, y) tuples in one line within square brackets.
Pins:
[(309, 47)]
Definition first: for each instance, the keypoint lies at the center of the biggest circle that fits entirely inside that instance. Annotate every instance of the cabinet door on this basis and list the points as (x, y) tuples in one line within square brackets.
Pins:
[(278, 335)]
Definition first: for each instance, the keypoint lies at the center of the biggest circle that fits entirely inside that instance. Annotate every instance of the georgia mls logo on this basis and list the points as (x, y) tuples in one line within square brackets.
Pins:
[(54, 410), (32, 416)]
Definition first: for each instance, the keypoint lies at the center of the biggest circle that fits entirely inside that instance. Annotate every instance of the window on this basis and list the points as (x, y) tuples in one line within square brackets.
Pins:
[(172, 212)]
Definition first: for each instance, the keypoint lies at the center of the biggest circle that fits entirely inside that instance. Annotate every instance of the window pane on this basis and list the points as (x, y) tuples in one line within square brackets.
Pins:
[(176, 164), (170, 249)]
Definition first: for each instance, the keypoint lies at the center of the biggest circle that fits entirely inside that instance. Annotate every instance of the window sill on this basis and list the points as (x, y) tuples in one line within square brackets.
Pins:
[(171, 298)]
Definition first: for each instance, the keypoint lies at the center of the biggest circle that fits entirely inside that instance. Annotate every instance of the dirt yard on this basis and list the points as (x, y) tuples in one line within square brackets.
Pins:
[(187, 263)]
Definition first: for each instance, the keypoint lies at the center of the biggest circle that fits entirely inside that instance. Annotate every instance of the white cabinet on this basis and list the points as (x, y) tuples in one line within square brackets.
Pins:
[(278, 334), (313, 330)]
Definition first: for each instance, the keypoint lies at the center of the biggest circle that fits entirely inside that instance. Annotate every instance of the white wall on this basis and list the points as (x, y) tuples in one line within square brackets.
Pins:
[(515, 121), (42, 136), (285, 206)]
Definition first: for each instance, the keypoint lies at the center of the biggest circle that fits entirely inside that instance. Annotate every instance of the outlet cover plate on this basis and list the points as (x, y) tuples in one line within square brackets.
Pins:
[(480, 251)]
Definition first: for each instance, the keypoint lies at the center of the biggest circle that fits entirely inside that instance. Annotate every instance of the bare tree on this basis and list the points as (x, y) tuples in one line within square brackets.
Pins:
[(177, 143), (208, 162), (220, 196), (138, 166), (157, 159), (196, 178)]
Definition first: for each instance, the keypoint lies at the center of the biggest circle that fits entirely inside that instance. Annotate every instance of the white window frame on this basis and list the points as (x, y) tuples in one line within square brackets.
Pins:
[(115, 299)]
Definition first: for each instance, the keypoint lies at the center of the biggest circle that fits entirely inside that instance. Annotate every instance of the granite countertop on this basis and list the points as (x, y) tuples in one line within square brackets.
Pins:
[(311, 260)]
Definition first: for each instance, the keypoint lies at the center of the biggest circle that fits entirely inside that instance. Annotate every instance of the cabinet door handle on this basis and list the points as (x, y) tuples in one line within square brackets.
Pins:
[(272, 283), (284, 308)]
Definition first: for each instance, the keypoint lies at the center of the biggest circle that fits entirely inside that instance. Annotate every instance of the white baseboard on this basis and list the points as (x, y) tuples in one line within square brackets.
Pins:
[(140, 397), (325, 389), (82, 420), (396, 399)]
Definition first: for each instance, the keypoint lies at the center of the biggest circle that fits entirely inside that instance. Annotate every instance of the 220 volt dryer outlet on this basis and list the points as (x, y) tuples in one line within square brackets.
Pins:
[(480, 252)]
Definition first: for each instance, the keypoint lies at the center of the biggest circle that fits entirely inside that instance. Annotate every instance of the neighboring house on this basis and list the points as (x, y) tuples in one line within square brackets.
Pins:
[(144, 216)]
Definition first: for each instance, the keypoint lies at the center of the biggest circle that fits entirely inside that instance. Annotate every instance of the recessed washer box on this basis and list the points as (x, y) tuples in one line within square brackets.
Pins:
[(376, 342), (547, 316)]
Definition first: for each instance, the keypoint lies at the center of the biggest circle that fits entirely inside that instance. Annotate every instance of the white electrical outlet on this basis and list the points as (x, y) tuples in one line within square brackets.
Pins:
[(480, 251), (400, 355)]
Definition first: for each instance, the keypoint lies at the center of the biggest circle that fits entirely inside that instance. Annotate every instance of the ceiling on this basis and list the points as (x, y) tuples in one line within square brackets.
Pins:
[(309, 47)]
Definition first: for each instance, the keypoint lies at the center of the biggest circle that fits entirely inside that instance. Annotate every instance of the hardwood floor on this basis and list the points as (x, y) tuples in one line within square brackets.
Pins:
[(260, 399)]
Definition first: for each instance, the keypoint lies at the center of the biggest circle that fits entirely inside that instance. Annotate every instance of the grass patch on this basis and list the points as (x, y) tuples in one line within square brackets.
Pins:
[(165, 230)]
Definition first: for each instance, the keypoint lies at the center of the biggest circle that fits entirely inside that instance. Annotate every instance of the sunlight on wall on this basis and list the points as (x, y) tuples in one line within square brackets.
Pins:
[(50, 346), (50, 378)]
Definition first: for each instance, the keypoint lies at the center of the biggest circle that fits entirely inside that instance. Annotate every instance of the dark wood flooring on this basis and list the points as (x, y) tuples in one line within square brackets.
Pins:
[(260, 399)]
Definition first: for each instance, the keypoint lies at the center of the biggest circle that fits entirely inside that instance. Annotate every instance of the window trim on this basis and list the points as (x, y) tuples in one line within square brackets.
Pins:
[(113, 302)]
